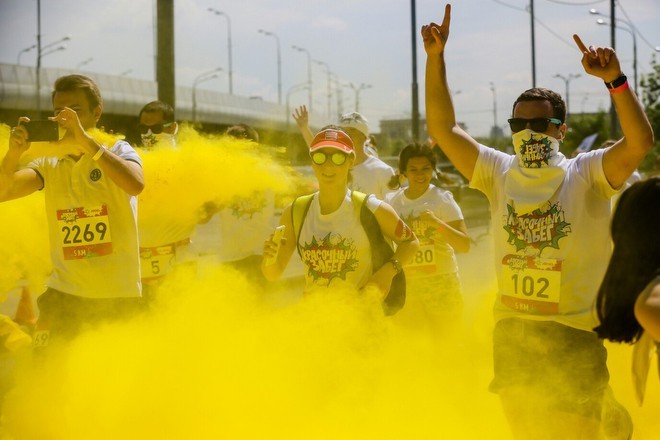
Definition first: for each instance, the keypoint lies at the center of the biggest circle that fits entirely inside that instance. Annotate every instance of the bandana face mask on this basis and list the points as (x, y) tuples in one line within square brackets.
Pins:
[(150, 139), (534, 150)]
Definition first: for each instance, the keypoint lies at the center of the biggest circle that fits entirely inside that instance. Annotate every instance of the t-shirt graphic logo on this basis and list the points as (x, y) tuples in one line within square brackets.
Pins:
[(535, 153), (243, 208), (331, 257), (95, 174), (541, 228)]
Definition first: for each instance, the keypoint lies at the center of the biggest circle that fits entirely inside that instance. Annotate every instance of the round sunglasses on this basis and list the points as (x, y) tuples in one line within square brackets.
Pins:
[(319, 158), (538, 125)]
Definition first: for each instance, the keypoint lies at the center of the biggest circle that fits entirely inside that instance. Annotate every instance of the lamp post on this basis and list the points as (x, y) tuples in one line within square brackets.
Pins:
[(279, 64), (126, 72), (357, 90), (327, 71), (200, 79), (84, 62), (309, 72), (567, 80), (494, 130), (231, 81), (41, 52), (22, 51)]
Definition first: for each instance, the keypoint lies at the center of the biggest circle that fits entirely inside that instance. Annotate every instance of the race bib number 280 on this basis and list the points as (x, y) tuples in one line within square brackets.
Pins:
[(530, 284), (84, 232)]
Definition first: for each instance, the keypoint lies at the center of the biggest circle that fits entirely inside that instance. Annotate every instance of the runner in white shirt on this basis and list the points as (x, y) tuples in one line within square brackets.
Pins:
[(91, 209), (437, 221), (549, 221)]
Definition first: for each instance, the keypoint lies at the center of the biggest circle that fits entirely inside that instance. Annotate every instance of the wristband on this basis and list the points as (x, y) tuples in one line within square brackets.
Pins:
[(620, 88), (617, 82), (98, 154), (397, 265)]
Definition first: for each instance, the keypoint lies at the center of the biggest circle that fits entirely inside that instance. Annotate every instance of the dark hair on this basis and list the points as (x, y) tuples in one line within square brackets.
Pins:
[(410, 151), (70, 83), (159, 107), (243, 131), (634, 263), (541, 94)]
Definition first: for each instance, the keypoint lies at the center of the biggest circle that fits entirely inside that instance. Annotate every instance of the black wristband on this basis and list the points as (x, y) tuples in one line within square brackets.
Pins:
[(617, 82), (397, 265)]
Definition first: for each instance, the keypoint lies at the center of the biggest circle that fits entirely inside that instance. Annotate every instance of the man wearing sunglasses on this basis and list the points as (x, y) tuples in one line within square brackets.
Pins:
[(157, 125), (164, 240), (550, 218)]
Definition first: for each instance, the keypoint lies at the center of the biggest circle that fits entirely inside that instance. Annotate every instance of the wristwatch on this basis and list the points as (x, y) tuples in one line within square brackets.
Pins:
[(397, 265)]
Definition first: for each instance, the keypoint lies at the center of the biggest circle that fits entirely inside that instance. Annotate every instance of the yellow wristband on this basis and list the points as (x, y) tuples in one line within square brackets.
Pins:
[(98, 154)]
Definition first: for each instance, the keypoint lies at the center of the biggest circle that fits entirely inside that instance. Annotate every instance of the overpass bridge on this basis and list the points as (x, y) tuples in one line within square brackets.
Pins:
[(124, 97)]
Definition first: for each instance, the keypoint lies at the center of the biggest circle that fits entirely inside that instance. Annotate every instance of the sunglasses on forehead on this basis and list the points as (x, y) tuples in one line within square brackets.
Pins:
[(319, 158), (536, 124), (155, 129)]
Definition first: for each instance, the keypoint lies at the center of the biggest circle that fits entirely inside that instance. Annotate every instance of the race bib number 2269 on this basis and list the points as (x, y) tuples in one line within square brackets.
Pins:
[(84, 232)]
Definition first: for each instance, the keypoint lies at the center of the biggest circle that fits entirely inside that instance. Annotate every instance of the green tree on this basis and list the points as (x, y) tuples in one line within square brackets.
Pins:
[(650, 88)]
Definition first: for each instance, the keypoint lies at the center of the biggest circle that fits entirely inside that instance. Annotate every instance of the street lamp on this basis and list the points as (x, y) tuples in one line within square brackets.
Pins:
[(327, 70), (357, 90), (494, 131), (309, 72), (231, 81), (279, 64), (632, 32), (126, 72), (199, 79), (41, 52), (27, 49), (84, 63), (567, 80)]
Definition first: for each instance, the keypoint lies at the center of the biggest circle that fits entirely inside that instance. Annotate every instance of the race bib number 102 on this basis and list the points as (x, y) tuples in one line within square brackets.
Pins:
[(84, 232), (530, 284)]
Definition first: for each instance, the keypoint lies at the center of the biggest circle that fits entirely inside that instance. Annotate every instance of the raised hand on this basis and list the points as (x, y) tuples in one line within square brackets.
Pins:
[(600, 62), (435, 36), (301, 115), (68, 119)]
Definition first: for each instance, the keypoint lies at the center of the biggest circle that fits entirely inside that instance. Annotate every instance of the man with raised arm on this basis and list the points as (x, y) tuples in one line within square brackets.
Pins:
[(550, 218)]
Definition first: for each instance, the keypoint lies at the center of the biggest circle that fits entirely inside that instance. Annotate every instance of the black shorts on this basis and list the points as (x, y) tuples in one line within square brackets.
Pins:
[(566, 366), (65, 315)]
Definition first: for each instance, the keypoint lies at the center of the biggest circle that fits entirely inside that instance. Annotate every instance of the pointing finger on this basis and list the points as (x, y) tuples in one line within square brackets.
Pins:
[(579, 43), (447, 18)]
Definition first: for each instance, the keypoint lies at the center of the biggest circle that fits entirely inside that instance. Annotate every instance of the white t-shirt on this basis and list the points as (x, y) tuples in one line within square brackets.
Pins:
[(435, 256), (244, 226), (92, 227), (549, 263), (371, 177), (334, 247)]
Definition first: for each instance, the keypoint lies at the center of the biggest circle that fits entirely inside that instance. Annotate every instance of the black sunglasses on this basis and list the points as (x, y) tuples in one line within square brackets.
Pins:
[(155, 129), (538, 125), (319, 158)]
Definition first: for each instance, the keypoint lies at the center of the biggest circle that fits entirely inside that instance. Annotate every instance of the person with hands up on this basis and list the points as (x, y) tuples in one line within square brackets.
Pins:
[(91, 208), (550, 220)]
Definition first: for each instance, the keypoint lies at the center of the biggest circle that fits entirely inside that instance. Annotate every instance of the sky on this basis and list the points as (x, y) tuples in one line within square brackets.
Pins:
[(363, 42)]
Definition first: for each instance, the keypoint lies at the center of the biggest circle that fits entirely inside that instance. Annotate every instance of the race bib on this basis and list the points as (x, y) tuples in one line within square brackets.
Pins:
[(156, 262), (84, 232), (530, 284), (424, 261)]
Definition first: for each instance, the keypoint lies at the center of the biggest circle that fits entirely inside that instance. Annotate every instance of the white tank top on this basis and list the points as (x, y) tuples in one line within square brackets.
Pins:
[(334, 247)]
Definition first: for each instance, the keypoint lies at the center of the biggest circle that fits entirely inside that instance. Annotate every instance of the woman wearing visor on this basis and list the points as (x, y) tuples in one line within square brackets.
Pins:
[(331, 239)]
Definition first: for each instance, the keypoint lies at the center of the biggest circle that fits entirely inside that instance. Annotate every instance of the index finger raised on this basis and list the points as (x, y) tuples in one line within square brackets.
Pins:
[(447, 18), (579, 43)]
